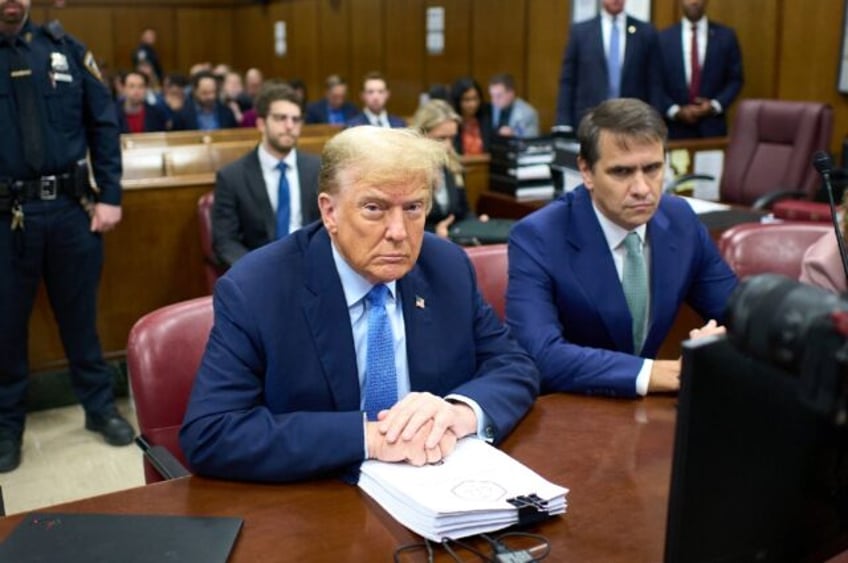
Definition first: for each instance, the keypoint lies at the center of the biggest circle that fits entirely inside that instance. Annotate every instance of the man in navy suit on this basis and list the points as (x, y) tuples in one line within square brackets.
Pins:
[(293, 386), (247, 191), (702, 73), (593, 72), (334, 107), (596, 278), (135, 113), (204, 110), (375, 95)]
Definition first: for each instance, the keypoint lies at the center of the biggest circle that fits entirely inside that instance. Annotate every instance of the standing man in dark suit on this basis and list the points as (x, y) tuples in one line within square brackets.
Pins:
[(359, 338), (596, 278), (375, 94), (334, 107), (610, 56), (146, 53), (255, 201), (204, 110), (702, 73)]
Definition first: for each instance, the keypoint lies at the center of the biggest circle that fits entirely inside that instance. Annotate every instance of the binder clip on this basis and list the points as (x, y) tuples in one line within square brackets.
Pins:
[(531, 509)]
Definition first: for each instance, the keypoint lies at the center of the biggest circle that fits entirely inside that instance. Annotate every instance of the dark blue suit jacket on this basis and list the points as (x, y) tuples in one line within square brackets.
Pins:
[(154, 118), (565, 303), (362, 119), (186, 118), (277, 394), (583, 80), (319, 111), (721, 78)]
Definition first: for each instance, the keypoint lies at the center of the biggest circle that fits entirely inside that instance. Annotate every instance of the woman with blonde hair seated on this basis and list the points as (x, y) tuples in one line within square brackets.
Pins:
[(437, 120)]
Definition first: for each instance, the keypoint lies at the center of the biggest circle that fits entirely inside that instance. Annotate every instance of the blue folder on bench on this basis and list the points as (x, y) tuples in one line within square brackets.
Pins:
[(126, 538)]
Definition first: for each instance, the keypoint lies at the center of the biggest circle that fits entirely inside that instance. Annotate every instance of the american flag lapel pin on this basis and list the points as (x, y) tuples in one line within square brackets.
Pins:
[(419, 302)]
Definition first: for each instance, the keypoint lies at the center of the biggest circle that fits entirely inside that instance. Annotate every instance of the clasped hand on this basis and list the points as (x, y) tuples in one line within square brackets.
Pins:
[(421, 428)]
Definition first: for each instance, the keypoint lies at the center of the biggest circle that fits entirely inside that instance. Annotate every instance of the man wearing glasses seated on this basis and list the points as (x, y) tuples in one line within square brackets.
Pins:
[(273, 189)]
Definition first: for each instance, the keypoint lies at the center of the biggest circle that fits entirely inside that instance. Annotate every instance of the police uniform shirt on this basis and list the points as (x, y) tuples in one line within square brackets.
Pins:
[(75, 110)]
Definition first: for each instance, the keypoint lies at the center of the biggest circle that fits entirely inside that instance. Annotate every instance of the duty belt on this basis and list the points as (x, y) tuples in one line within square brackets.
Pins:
[(45, 188)]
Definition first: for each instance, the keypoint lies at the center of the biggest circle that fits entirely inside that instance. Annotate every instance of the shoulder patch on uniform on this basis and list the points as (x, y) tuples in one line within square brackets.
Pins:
[(91, 65)]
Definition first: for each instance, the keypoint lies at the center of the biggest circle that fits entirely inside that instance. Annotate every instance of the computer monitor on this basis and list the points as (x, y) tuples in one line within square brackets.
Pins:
[(757, 475)]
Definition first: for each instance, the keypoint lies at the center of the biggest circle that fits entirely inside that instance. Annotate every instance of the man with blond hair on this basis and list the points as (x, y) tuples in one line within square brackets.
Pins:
[(359, 337)]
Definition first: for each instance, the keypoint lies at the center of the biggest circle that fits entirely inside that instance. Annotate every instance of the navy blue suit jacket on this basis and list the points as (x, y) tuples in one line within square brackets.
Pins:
[(186, 118), (319, 111), (154, 118), (361, 119), (583, 82), (277, 395), (565, 303), (721, 78)]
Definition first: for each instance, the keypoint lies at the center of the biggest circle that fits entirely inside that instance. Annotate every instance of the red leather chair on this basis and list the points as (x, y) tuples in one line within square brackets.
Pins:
[(211, 267), (772, 143), (490, 264), (163, 354), (775, 248)]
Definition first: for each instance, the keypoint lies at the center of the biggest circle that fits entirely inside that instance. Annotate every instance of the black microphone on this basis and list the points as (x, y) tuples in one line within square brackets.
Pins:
[(824, 165)]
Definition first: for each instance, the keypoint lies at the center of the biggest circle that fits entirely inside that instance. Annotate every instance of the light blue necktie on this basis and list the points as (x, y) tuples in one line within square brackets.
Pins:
[(283, 206), (614, 61), (634, 281), (380, 373)]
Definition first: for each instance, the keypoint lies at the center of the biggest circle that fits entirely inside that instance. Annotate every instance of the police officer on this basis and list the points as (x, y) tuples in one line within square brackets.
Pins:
[(53, 109)]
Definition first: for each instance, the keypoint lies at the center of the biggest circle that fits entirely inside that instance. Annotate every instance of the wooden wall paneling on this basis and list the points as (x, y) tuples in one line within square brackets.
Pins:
[(404, 67), (204, 34), (455, 61), (91, 25), (253, 38), (334, 52), (498, 34), (367, 45), (665, 13), (301, 60), (128, 23), (547, 25), (811, 44)]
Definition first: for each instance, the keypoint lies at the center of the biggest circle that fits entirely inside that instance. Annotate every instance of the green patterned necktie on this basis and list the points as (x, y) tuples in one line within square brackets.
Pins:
[(634, 281)]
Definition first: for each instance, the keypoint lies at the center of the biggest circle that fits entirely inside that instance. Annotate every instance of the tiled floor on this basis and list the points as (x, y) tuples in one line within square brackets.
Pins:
[(62, 461)]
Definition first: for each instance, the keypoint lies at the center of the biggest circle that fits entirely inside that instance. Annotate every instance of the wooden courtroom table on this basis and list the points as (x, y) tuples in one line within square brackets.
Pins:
[(614, 455)]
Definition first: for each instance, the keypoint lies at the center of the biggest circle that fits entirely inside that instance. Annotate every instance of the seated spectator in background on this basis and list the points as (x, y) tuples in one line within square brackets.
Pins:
[(204, 110), (135, 113), (334, 107), (359, 338), (596, 277), (438, 92), (698, 91), (822, 263), (437, 121), (299, 87), (253, 80), (233, 96), (174, 92), (146, 53), (511, 116), (475, 127), (257, 202), (375, 95)]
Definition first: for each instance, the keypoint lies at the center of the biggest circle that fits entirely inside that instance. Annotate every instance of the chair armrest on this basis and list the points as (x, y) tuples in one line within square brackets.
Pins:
[(162, 460), (769, 199), (674, 186)]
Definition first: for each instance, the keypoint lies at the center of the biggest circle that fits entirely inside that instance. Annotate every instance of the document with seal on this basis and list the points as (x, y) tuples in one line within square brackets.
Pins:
[(476, 489)]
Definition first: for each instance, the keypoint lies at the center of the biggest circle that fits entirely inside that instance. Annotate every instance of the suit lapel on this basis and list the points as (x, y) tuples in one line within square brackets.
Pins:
[(258, 192), (420, 345), (327, 315), (678, 69), (308, 197), (598, 42), (596, 273), (664, 280)]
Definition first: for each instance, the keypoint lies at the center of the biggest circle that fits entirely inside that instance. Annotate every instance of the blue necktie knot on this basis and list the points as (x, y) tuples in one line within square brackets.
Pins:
[(283, 204), (380, 372)]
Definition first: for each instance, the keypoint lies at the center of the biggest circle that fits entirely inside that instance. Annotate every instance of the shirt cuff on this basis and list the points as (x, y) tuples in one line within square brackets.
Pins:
[(485, 430), (644, 377), (672, 111), (716, 106)]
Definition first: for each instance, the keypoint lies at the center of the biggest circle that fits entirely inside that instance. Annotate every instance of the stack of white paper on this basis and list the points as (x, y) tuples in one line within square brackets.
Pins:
[(467, 494)]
